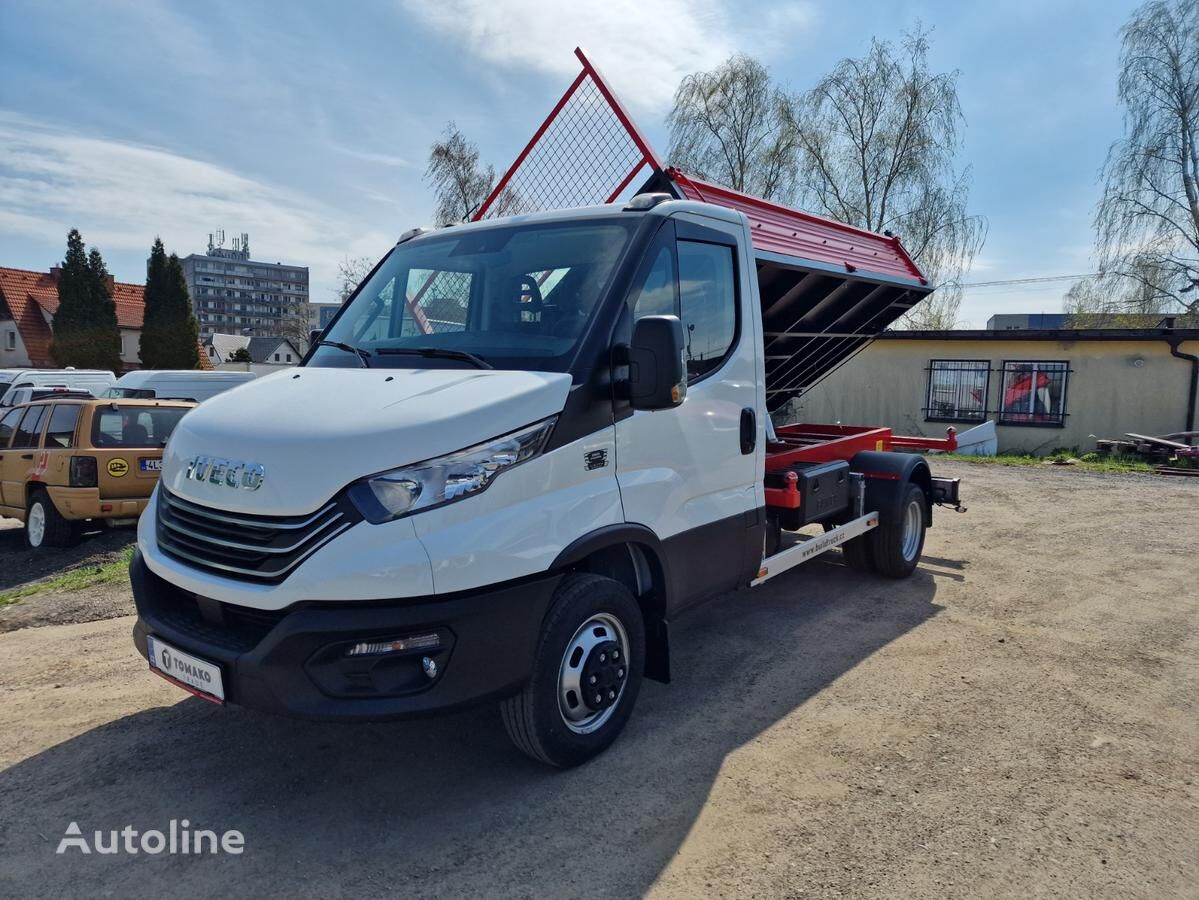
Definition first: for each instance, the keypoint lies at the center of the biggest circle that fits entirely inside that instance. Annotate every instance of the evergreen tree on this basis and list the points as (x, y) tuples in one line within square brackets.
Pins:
[(86, 334), (154, 315), (184, 329), (169, 327)]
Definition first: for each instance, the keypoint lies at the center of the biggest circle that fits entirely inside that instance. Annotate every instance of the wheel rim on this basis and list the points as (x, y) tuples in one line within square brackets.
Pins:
[(36, 525), (913, 527), (595, 663)]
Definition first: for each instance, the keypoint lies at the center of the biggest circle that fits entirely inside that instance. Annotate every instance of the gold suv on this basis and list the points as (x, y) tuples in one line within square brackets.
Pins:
[(66, 460)]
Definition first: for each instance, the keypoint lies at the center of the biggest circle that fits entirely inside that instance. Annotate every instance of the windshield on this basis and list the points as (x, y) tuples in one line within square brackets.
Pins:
[(518, 297), (134, 426)]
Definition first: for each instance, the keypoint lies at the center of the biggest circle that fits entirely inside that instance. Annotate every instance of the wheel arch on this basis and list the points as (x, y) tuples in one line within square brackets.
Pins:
[(632, 555), (886, 475)]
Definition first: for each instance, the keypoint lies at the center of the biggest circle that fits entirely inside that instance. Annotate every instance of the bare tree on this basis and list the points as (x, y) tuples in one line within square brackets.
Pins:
[(460, 182), (735, 127), (877, 141), (1115, 301), (1147, 223), (350, 273), (296, 325)]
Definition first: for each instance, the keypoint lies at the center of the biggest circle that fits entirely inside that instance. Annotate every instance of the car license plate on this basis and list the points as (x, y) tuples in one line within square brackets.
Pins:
[(190, 670), (149, 465)]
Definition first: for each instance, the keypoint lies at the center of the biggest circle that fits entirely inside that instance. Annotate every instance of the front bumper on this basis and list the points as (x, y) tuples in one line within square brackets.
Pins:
[(293, 661)]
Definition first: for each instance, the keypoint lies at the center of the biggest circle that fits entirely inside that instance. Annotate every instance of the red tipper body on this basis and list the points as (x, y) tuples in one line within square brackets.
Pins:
[(826, 288)]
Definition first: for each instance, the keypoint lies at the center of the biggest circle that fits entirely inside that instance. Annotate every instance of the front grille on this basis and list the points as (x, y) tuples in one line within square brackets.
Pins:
[(244, 546)]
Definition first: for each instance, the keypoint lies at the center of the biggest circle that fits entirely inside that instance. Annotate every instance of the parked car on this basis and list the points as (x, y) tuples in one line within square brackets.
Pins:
[(19, 396), (66, 461), (175, 384), (13, 381)]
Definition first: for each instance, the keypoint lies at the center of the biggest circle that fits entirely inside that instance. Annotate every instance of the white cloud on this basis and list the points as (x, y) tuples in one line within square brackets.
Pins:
[(645, 48), (120, 195)]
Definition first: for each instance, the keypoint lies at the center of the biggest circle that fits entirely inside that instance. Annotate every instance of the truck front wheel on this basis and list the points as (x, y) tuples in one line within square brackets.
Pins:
[(898, 541), (586, 674)]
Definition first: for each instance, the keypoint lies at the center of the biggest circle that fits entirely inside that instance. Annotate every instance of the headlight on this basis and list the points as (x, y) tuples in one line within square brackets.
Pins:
[(435, 482)]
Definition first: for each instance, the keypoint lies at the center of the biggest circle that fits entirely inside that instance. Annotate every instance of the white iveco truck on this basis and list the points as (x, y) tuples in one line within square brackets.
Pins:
[(524, 447)]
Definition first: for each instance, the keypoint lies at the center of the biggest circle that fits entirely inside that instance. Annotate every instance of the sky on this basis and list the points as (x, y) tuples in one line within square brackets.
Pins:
[(308, 125)]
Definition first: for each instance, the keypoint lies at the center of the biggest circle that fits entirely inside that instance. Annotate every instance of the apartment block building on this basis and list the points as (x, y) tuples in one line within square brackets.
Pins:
[(233, 293)]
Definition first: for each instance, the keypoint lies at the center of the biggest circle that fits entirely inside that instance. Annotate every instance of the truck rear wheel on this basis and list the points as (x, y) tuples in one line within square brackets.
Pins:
[(898, 541), (586, 674), (856, 553), (45, 525)]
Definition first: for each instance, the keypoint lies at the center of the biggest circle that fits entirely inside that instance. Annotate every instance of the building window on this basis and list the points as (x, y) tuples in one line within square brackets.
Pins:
[(10, 340), (1034, 393), (122, 345), (276, 357), (957, 390)]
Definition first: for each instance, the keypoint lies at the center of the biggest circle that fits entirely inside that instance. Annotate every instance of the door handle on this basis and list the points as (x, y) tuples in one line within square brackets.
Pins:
[(26, 456), (749, 430)]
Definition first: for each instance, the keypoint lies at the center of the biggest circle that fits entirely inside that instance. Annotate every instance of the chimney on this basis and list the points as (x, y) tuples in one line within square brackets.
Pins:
[(111, 282), (55, 272)]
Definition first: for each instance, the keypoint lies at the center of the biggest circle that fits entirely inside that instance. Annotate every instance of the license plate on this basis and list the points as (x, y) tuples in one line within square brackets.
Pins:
[(150, 465), (190, 670)]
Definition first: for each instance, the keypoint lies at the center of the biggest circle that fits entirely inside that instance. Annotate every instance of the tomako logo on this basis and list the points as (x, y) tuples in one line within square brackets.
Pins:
[(117, 467)]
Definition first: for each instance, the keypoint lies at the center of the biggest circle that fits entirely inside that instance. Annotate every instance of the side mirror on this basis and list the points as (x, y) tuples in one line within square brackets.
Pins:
[(314, 336), (657, 378)]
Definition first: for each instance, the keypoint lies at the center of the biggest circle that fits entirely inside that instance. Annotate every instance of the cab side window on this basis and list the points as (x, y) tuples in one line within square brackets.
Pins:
[(707, 304), (8, 426), (60, 433), (657, 295), (30, 428)]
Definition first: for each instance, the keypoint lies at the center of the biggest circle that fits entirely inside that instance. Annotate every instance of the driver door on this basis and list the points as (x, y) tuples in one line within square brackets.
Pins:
[(691, 474)]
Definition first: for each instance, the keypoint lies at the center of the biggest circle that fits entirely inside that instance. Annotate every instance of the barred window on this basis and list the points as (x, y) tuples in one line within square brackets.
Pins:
[(1034, 393), (957, 390)]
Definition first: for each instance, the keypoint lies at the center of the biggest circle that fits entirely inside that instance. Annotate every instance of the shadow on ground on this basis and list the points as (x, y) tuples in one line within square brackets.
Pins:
[(21, 566), (446, 806)]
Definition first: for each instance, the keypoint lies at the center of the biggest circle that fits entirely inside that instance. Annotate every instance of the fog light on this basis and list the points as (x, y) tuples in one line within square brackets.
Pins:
[(430, 667), (429, 641)]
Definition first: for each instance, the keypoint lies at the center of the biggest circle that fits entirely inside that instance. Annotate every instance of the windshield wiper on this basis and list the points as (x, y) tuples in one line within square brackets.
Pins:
[(363, 355), (436, 353)]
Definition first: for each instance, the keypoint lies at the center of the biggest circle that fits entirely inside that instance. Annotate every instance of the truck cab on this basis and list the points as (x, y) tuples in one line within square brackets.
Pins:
[(521, 449)]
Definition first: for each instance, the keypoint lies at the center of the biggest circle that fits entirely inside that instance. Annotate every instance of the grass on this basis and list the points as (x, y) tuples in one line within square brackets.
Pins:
[(77, 579), (1088, 462)]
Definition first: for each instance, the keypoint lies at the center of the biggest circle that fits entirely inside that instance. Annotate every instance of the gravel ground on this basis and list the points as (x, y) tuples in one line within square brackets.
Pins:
[(21, 567), (1018, 719)]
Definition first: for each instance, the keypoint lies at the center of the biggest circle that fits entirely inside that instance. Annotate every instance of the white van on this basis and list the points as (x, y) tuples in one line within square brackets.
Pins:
[(95, 381), (175, 384)]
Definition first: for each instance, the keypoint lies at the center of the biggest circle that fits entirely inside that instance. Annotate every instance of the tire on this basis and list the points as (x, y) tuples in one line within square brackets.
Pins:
[(855, 552), (898, 541), (857, 555), (590, 616), (45, 526)]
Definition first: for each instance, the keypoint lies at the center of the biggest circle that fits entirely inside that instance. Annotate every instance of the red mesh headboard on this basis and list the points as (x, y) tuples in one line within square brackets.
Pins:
[(586, 152)]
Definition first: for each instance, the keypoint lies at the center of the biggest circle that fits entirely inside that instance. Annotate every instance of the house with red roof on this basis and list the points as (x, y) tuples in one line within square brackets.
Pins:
[(28, 302)]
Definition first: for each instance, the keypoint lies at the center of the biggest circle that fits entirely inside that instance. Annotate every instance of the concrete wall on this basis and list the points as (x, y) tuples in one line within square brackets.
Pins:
[(1108, 394)]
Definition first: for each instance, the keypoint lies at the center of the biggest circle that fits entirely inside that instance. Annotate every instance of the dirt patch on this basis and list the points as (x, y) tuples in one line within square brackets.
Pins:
[(20, 566), (106, 601), (1018, 719)]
